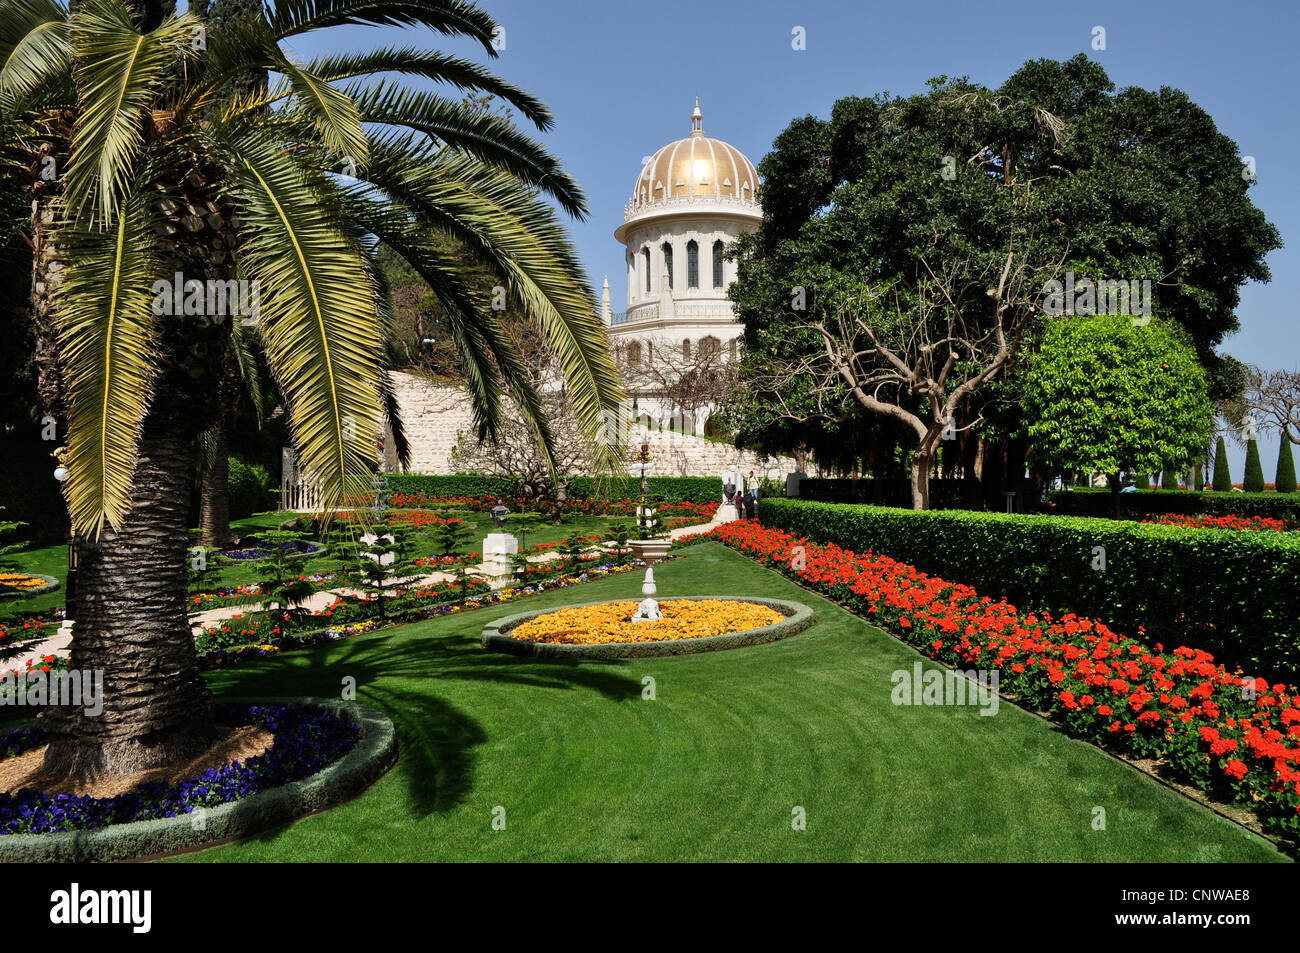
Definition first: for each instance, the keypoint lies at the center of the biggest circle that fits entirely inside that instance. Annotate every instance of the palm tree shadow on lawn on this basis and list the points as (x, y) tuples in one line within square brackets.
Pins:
[(436, 740)]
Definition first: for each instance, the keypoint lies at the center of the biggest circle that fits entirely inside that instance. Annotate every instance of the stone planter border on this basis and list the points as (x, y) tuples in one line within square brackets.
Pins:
[(374, 754), (496, 635), (50, 585)]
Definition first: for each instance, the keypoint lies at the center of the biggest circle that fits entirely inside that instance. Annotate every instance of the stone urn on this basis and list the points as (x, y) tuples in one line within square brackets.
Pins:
[(649, 551)]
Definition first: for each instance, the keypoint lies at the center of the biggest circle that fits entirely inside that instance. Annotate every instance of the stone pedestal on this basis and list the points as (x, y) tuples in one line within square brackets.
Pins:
[(726, 513), (497, 550)]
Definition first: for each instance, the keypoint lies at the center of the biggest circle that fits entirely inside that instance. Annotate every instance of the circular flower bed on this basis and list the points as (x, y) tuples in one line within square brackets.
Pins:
[(261, 550), (24, 584), (306, 740), (612, 622), (605, 629), (324, 752)]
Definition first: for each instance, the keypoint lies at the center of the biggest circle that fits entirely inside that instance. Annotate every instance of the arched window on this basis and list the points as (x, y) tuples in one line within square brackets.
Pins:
[(692, 264), (717, 263), (709, 348), (633, 353), (645, 255), (668, 263)]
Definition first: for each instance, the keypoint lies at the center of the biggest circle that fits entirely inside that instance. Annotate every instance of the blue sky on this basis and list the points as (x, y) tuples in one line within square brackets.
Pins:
[(622, 78)]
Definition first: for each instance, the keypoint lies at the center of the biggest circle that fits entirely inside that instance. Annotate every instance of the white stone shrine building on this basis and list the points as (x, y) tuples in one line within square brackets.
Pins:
[(691, 199)]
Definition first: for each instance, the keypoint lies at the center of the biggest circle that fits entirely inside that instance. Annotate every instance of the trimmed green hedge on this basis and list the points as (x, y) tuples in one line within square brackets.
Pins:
[(944, 494), (1231, 593), (1147, 503), (667, 489)]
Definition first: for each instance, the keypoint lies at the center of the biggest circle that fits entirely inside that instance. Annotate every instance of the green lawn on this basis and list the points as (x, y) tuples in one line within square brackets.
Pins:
[(711, 770)]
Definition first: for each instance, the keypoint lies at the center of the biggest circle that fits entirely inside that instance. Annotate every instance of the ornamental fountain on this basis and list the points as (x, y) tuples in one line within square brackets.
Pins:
[(650, 549)]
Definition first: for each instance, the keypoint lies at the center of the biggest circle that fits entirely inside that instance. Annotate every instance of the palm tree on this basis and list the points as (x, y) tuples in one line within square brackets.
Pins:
[(165, 175)]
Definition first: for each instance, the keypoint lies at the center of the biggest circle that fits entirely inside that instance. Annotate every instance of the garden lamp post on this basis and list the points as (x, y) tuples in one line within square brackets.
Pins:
[(61, 473)]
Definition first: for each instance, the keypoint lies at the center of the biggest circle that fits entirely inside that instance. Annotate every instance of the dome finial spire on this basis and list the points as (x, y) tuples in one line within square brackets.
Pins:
[(697, 120)]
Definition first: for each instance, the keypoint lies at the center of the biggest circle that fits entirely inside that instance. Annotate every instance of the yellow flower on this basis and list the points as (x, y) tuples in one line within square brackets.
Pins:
[(612, 622)]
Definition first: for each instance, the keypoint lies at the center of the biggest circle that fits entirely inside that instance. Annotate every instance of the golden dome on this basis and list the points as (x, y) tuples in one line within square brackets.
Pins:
[(696, 167)]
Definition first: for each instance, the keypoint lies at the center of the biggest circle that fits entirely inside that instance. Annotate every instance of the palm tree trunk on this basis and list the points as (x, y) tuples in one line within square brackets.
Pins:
[(132, 626), (214, 498), (214, 495)]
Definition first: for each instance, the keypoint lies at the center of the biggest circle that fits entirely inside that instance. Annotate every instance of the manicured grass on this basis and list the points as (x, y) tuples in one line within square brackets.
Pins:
[(585, 769)]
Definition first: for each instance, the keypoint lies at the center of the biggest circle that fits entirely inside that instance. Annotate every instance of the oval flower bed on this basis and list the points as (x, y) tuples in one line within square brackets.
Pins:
[(260, 550), (611, 622), (605, 630), (307, 739), (1217, 729), (26, 584)]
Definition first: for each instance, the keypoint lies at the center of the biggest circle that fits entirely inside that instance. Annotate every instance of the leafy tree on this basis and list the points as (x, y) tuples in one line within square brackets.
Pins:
[(1254, 479), (1222, 475), (1104, 394), (1131, 184), (139, 121)]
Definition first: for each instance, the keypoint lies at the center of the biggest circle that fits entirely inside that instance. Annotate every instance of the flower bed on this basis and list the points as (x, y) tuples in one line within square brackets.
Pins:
[(232, 652), (307, 739), (1207, 521), (611, 622), (25, 584), (790, 619), (1238, 737), (297, 548), (1232, 594)]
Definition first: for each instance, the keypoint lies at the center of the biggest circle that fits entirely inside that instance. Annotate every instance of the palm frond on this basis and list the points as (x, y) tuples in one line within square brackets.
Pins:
[(448, 17), (317, 315), (241, 345), (438, 67), (34, 48), (492, 216), (118, 74), (331, 111), (494, 140), (106, 337)]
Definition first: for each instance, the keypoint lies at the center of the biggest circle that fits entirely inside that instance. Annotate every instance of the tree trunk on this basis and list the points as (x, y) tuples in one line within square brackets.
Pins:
[(921, 460), (214, 492), (1113, 480), (132, 627)]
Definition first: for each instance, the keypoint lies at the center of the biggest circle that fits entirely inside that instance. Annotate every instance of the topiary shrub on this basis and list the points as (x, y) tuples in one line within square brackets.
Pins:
[(1222, 475), (1168, 479), (1284, 482), (249, 489), (1143, 481), (1254, 481)]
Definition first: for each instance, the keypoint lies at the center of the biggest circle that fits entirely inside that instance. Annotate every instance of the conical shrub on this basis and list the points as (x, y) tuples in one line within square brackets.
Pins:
[(1284, 482), (1254, 482), (1222, 476)]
